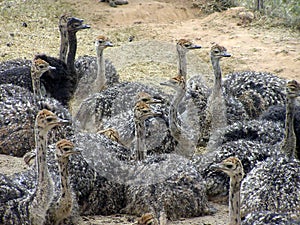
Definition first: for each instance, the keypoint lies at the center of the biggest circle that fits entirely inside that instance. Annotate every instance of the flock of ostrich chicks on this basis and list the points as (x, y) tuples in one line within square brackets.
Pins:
[(132, 148)]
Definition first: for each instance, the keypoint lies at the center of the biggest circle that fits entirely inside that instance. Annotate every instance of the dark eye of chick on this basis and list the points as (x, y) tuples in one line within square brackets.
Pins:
[(76, 25), (229, 166), (49, 119)]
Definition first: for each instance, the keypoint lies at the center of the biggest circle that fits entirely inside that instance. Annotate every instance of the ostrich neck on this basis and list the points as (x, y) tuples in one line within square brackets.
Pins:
[(72, 52), (41, 145), (216, 102), (288, 145), (217, 88), (140, 146), (182, 67), (234, 202), (173, 118), (64, 177), (36, 85), (44, 189), (65, 199), (63, 43), (100, 79)]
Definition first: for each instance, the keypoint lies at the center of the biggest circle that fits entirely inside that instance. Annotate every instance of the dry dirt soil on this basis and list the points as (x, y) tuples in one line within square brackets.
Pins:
[(156, 25)]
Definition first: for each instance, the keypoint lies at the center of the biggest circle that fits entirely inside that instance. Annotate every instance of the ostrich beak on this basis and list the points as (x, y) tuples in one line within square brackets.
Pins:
[(109, 44), (52, 68), (216, 167), (194, 47), (226, 54)]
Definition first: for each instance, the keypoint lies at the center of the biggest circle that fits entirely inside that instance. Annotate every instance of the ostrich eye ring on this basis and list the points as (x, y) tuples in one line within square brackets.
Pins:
[(75, 25), (49, 119), (229, 166)]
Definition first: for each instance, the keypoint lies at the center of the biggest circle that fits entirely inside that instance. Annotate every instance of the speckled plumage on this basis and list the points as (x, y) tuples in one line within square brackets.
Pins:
[(156, 142), (180, 127), (256, 136), (249, 152), (150, 177), (270, 218), (59, 83), (233, 168), (277, 114), (96, 188), (14, 63), (272, 185), (256, 90), (216, 108), (86, 68), (262, 131), (94, 73), (17, 75), (110, 102), (166, 184), (61, 209), (18, 110), (43, 193)]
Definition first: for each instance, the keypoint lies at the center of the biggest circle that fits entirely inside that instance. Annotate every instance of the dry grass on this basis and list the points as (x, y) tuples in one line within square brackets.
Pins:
[(29, 27)]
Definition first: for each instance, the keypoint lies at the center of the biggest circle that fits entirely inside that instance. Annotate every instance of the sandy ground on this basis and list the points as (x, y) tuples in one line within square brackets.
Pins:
[(156, 25)]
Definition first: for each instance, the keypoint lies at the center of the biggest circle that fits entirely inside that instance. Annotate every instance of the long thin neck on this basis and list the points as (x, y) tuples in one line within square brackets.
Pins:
[(44, 188), (173, 117), (36, 85), (234, 202), (41, 146), (63, 43), (140, 146), (217, 88), (288, 145), (65, 183), (217, 106), (101, 78), (182, 67), (72, 52)]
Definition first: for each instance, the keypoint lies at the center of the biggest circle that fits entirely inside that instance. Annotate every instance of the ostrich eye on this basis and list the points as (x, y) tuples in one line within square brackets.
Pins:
[(41, 66), (75, 25), (49, 119), (229, 166), (216, 51)]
